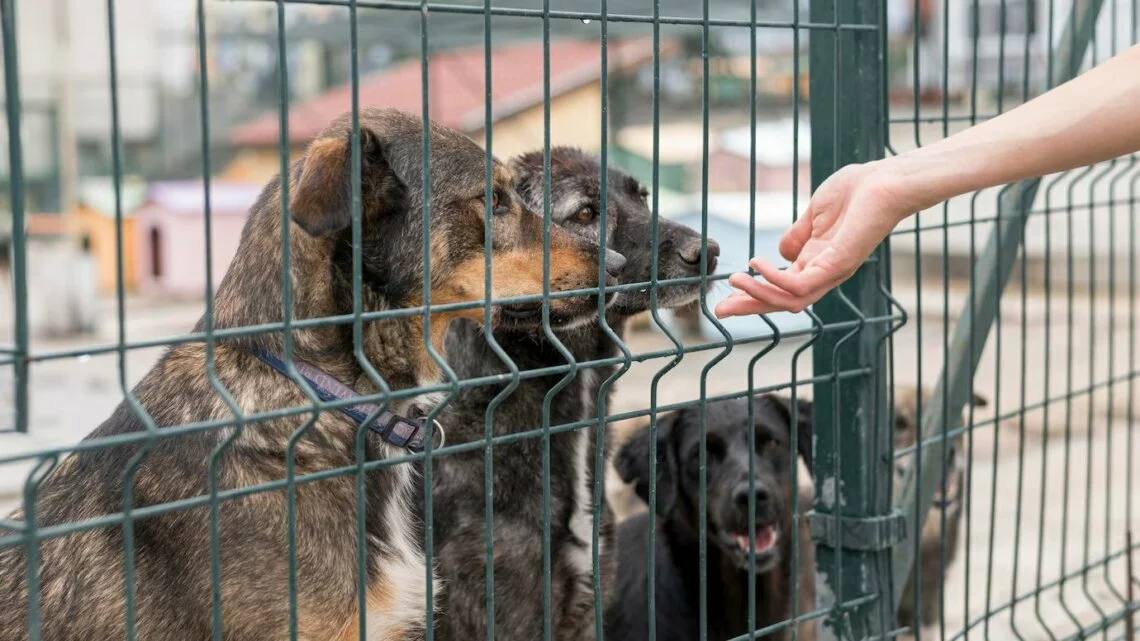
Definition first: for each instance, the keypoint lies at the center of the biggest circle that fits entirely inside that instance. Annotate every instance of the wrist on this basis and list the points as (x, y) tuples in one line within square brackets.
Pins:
[(907, 185)]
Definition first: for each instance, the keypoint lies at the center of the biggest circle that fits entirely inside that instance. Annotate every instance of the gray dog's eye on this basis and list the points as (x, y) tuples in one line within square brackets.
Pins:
[(586, 215)]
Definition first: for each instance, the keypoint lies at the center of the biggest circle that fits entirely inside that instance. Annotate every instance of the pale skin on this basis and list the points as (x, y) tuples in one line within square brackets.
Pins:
[(1091, 118)]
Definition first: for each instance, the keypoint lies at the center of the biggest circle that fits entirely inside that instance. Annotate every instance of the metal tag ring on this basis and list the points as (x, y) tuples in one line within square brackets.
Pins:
[(442, 434)]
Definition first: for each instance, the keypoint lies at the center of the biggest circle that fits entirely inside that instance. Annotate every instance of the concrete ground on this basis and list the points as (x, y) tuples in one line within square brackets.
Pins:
[(1050, 492)]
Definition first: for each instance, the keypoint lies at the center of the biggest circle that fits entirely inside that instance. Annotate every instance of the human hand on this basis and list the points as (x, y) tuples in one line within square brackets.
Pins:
[(848, 216)]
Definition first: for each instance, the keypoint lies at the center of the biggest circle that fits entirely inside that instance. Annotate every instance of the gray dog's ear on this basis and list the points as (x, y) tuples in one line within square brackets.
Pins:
[(632, 462), (804, 431), (528, 171), (321, 197)]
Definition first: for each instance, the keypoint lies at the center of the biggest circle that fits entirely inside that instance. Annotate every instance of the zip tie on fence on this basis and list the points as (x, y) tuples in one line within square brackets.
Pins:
[(867, 533)]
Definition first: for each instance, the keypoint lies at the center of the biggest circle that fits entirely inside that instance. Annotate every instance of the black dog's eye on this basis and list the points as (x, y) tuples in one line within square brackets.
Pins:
[(762, 441), (716, 448), (644, 193), (586, 215)]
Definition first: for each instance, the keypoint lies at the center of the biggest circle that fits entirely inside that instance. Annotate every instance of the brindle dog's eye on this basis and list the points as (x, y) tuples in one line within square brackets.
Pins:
[(586, 215), (500, 204)]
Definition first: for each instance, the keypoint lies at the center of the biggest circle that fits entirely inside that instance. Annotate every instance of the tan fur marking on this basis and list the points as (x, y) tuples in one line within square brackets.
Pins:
[(502, 175), (380, 598), (514, 273)]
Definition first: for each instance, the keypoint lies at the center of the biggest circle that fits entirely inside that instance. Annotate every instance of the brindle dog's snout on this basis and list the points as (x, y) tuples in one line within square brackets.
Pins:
[(690, 251)]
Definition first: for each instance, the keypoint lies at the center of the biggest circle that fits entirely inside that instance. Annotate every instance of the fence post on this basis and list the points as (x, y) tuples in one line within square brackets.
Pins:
[(16, 197), (851, 522)]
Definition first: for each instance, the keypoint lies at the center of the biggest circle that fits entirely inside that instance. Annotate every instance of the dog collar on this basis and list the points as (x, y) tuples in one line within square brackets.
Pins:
[(393, 428)]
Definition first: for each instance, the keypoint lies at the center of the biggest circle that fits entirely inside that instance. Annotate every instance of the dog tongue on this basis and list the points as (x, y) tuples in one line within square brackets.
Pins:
[(765, 539)]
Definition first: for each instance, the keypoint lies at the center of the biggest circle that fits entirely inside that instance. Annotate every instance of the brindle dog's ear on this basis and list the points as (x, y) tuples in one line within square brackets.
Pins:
[(804, 433), (632, 462), (321, 199)]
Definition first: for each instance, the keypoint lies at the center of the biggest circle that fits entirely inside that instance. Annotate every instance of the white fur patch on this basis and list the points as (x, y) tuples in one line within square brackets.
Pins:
[(403, 567), (582, 520)]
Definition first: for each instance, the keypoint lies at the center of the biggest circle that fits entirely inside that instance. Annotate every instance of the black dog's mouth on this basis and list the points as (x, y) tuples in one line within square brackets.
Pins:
[(765, 544)]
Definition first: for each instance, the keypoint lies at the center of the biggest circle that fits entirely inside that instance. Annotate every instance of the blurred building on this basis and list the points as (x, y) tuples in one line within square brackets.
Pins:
[(457, 96), (170, 234), (61, 278), (65, 88), (776, 164), (1013, 36), (94, 223)]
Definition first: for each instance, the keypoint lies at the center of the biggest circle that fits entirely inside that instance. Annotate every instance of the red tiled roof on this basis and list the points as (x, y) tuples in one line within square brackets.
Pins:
[(456, 90)]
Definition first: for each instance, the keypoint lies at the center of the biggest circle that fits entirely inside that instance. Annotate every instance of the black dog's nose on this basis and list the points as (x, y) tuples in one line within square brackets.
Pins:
[(740, 497), (690, 252), (614, 263)]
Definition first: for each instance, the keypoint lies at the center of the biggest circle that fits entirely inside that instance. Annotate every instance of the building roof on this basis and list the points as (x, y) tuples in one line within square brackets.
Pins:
[(46, 225), (457, 86), (187, 197), (98, 194)]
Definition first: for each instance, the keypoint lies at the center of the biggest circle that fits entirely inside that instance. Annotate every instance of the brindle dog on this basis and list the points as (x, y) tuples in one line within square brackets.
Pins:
[(81, 575), (517, 467)]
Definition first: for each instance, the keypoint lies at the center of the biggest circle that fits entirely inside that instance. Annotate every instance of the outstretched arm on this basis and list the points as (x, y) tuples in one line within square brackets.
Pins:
[(1091, 118)]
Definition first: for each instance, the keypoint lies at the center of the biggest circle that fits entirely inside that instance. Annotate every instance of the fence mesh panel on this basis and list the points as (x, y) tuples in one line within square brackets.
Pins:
[(972, 386)]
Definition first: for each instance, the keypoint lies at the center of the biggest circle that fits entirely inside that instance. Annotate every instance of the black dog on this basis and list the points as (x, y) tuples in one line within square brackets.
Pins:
[(458, 492), (728, 490)]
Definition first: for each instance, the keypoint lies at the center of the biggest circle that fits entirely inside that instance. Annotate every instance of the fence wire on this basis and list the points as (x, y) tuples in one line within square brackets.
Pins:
[(972, 386)]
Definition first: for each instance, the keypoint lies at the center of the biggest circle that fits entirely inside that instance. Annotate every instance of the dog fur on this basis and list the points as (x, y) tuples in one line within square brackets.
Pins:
[(677, 572), (81, 574), (458, 492), (931, 564)]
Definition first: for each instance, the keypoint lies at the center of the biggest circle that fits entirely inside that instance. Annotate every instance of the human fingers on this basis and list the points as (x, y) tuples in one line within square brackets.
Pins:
[(796, 236), (740, 304), (769, 294), (811, 281)]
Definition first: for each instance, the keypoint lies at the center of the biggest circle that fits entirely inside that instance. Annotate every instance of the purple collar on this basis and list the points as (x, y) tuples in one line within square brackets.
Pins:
[(393, 428)]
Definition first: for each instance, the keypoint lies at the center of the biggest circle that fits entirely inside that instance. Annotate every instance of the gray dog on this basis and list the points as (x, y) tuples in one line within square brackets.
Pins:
[(518, 496)]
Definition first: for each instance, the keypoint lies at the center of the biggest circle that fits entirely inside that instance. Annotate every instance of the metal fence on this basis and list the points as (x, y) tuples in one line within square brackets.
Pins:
[(1025, 294)]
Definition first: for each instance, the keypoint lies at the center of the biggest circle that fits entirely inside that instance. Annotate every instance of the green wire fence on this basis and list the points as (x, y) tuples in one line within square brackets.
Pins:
[(1045, 545)]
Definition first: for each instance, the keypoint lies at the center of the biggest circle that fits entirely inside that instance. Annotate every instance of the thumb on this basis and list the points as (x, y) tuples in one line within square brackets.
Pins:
[(796, 236)]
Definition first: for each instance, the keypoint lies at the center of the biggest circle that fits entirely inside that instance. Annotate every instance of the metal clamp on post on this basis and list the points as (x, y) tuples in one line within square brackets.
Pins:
[(869, 533)]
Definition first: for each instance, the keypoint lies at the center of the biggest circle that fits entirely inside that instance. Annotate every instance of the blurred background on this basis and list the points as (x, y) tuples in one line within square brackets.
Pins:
[(949, 64)]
